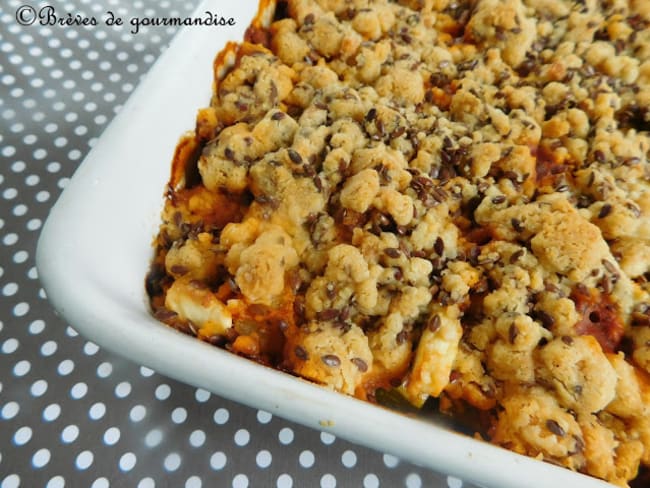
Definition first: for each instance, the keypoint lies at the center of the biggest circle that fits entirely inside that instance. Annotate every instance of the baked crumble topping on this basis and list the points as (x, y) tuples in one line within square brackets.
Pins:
[(449, 199)]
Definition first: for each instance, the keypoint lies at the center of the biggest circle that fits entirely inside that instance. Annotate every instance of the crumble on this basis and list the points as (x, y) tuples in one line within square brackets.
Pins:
[(447, 199)]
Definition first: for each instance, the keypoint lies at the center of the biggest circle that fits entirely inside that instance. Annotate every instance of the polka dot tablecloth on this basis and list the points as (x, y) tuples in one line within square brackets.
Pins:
[(72, 414)]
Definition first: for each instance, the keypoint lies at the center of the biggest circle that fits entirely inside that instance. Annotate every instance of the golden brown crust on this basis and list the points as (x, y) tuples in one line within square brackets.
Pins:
[(450, 199)]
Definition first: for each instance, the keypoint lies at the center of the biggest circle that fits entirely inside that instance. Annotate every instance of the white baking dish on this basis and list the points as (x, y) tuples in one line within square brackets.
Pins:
[(95, 248)]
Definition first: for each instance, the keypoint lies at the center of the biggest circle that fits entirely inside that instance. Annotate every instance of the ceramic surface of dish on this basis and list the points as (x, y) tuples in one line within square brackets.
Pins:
[(95, 249)]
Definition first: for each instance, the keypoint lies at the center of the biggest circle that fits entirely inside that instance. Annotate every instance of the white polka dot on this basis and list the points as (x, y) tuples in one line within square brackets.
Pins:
[(34, 224), (11, 481), (10, 345), (21, 368), (328, 481), (20, 210), (54, 167), (56, 482), (51, 412), (370, 481), (127, 461), (327, 438), (51, 127), (172, 462), (9, 193), (349, 459), (193, 482), (163, 391), (242, 437), (20, 257), (147, 483), (97, 411), (84, 460), (79, 390), (8, 151), (60, 141), (197, 438), (69, 434), (454, 482), (30, 103), (104, 370), (18, 166), (10, 410), (285, 436), (32, 180), (390, 461), (41, 458), (201, 395), (100, 483), (263, 459), (71, 332), (49, 348), (263, 417), (90, 348), (39, 154), (413, 480), (218, 460), (137, 413), (284, 481), (10, 239), (37, 326), (153, 438), (21, 309), (9, 289), (240, 481), (100, 119), (179, 415), (42, 196), (22, 436), (146, 372), (221, 416), (38, 388), (306, 459), (112, 436), (65, 367), (123, 389)]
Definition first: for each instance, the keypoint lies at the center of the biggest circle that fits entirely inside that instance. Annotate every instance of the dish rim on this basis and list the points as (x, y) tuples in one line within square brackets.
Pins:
[(112, 308)]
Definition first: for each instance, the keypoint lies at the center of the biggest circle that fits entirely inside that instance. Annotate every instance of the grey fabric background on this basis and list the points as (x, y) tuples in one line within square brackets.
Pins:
[(72, 414)]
